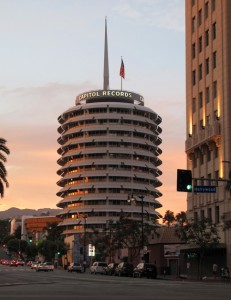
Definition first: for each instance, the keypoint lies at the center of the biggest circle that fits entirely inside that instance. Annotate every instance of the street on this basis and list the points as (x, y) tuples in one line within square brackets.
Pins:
[(25, 283)]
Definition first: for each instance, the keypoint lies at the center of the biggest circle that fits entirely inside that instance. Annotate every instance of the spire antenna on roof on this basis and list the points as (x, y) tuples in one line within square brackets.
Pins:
[(106, 64)]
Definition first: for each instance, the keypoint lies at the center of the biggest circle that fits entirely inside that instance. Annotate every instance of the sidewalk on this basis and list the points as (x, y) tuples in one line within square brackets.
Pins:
[(183, 277)]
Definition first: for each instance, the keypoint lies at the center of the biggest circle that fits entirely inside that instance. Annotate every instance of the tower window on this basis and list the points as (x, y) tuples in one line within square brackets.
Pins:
[(199, 17), (213, 4), (207, 66), (200, 72), (207, 94), (206, 10), (194, 77), (207, 37), (194, 105), (193, 24), (214, 89), (214, 59), (217, 214), (200, 99), (193, 50), (200, 44), (214, 30)]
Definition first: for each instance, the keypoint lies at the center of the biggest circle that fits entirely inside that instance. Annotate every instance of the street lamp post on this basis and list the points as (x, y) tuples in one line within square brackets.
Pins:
[(142, 221), (130, 199), (84, 244)]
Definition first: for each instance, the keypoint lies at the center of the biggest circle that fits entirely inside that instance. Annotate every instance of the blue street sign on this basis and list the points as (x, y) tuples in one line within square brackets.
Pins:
[(204, 189)]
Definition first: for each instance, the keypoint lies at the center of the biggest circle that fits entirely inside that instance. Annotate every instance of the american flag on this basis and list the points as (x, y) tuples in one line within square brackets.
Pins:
[(122, 71)]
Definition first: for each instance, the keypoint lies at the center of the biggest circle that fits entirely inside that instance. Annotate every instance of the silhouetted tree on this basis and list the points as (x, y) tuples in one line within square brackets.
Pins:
[(3, 172), (169, 217), (200, 235)]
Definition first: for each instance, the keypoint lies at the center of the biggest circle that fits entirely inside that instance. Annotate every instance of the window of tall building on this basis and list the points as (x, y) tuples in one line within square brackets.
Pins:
[(193, 50), (200, 44), (200, 72), (207, 37), (209, 214), (193, 24), (201, 124), (208, 155), (195, 216), (202, 181), (217, 214), (214, 59), (215, 89), (206, 10), (214, 30), (194, 166), (209, 177), (217, 176), (207, 66), (208, 120), (213, 4), (216, 152), (194, 129), (199, 17), (201, 159), (200, 99), (207, 94), (202, 214), (193, 2), (194, 105), (194, 77)]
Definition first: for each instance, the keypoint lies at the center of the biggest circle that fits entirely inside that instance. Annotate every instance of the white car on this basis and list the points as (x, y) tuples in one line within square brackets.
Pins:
[(98, 267), (45, 267)]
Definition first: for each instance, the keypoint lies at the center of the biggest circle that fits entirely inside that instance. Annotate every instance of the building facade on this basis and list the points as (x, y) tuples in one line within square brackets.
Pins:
[(208, 109), (109, 150)]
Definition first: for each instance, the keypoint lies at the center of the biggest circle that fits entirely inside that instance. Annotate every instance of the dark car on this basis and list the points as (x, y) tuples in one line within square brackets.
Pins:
[(110, 269), (124, 269), (145, 270), (75, 267)]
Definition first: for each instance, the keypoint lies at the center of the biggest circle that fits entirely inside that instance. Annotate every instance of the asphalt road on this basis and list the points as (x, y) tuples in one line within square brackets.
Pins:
[(24, 283)]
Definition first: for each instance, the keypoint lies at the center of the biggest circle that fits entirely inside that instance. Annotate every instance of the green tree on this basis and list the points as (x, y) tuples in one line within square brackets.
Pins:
[(17, 245), (3, 172), (200, 235), (54, 242), (17, 232), (128, 234), (169, 217), (181, 218)]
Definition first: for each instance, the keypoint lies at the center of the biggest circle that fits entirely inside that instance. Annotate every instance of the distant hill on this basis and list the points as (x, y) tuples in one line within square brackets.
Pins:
[(16, 212)]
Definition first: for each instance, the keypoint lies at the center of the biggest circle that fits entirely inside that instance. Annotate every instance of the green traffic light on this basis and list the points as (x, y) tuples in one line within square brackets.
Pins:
[(189, 187)]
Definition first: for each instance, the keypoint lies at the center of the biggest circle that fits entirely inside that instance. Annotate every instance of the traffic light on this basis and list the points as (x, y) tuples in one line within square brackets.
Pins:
[(30, 239), (184, 180)]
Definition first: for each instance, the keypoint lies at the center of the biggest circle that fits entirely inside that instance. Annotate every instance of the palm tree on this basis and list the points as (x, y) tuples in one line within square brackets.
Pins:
[(169, 217), (3, 172)]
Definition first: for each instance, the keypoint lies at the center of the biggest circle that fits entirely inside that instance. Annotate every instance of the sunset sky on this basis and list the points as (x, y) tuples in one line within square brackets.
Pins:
[(52, 50)]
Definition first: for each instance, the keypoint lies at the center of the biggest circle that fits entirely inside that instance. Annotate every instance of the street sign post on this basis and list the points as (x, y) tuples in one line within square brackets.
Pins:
[(204, 189)]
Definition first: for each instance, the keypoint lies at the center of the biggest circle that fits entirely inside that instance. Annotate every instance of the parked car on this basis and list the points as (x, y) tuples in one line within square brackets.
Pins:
[(124, 269), (110, 269), (145, 270), (50, 266), (29, 263), (45, 267), (20, 262), (13, 263), (75, 267), (34, 265), (98, 267)]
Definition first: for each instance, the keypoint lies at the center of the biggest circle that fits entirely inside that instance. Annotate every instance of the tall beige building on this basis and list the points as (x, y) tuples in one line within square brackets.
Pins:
[(208, 94)]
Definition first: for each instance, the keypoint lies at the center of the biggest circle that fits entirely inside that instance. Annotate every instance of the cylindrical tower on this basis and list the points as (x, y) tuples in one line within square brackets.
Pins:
[(109, 150)]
